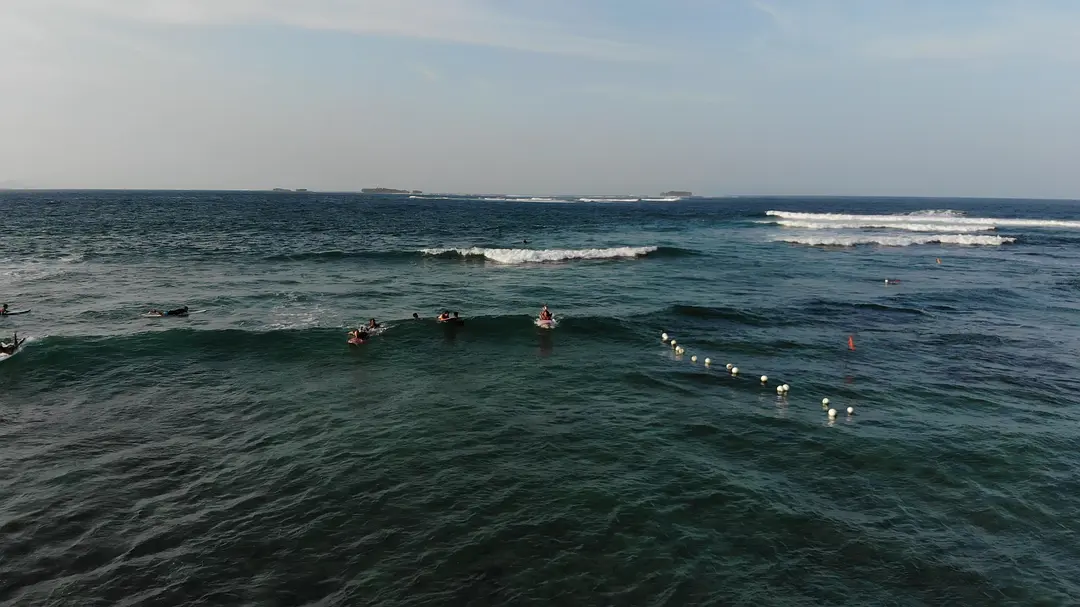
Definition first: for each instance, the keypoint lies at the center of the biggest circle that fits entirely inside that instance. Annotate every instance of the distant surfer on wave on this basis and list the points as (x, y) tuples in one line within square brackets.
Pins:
[(359, 335), (546, 314), (4, 310), (10, 348), (372, 324), (445, 316)]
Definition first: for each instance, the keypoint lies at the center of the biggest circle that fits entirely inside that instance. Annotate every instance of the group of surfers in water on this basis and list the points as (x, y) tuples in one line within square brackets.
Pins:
[(361, 335)]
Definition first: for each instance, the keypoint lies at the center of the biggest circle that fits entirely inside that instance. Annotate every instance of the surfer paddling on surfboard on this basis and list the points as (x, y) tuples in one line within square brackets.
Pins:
[(177, 312), (11, 348), (546, 320)]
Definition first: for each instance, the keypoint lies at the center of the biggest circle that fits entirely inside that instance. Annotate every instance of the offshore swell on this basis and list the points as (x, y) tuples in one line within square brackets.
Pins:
[(247, 455)]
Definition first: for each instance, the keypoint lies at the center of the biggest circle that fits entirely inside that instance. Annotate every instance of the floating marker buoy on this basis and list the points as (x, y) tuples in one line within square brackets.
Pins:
[(832, 413), (673, 342), (734, 370), (764, 379), (851, 342), (780, 390), (851, 410), (663, 336), (786, 387), (693, 359), (730, 366), (824, 402), (708, 361)]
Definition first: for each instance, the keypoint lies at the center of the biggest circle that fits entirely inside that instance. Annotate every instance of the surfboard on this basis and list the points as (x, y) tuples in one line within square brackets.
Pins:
[(546, 324), (22, 346), (355, 342), (16, 313)]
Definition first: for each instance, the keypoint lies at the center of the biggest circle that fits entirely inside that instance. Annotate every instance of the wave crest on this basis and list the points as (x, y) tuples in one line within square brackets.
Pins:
[(520, 256), (897, 241)]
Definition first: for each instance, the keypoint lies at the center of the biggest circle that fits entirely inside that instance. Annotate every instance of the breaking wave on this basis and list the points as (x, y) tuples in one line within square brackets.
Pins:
[(519, 256), (946, 220), (896, 241), (859, 225)]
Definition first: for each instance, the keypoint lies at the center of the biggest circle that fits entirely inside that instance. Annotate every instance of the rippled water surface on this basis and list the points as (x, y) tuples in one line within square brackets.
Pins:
[(247, 455)]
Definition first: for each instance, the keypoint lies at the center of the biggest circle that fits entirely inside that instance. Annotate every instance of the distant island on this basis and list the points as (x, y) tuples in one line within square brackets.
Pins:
[(388, 191), (678, 193)]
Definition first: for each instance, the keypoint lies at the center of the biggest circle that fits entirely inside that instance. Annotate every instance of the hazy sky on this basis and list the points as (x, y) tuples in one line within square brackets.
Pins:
[(906, 97)]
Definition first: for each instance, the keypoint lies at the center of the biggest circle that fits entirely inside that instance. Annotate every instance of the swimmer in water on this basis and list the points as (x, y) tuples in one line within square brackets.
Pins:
[(415, 316), (445, 316), (372, 324)]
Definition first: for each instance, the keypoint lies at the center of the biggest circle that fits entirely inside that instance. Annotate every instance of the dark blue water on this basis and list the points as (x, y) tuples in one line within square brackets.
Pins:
[(247, 455)]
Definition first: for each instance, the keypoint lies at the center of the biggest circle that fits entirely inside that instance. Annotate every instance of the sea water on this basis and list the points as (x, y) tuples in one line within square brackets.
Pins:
[(248, 455)]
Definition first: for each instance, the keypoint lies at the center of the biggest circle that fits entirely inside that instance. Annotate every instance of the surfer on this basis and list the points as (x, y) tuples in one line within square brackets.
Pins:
[(445, 316), (3, 311), (10, 348), (359, 334), (546, 314), (178, 312), (415, 316), (372, 324)]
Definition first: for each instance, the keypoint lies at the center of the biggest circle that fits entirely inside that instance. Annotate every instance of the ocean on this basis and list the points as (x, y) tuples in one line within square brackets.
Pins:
[(246, 455)]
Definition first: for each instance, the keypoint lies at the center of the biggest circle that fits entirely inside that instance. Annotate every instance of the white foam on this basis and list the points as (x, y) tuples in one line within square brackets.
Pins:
[(946, 218), (896, 241), (609, 199), (664, 199), (859, 225), (518, 256)]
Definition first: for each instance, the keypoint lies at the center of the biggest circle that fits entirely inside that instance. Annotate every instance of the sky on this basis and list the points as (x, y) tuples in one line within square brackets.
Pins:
[(800, 97)]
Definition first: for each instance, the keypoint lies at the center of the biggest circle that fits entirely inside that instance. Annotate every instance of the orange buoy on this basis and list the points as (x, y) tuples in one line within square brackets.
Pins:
[(851, 342)]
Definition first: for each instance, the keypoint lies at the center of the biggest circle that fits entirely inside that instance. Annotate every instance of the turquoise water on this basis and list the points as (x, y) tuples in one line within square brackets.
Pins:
[(248, 455)]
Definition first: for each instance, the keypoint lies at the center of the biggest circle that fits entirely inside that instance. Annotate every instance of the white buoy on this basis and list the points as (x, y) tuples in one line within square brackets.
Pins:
[(824, 402), (851, 410), (734, 370), (886, 281), (708, 361), (786, 387), (764, 379), (663, 336), (679, 350), (780, 390), (832, 413), (673, 343), (730, 366), (693, 359)]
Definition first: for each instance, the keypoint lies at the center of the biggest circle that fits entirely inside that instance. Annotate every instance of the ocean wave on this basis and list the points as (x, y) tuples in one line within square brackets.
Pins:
[(609, 199), (859, 225), (929, 217), (520, 256), (896, 241), (524, 199)]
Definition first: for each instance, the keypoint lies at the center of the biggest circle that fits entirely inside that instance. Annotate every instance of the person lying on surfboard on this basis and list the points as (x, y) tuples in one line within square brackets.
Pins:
[(359, 334), (546, 314), (3, 311), (178, 312), (445, 316), (372, 324)]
